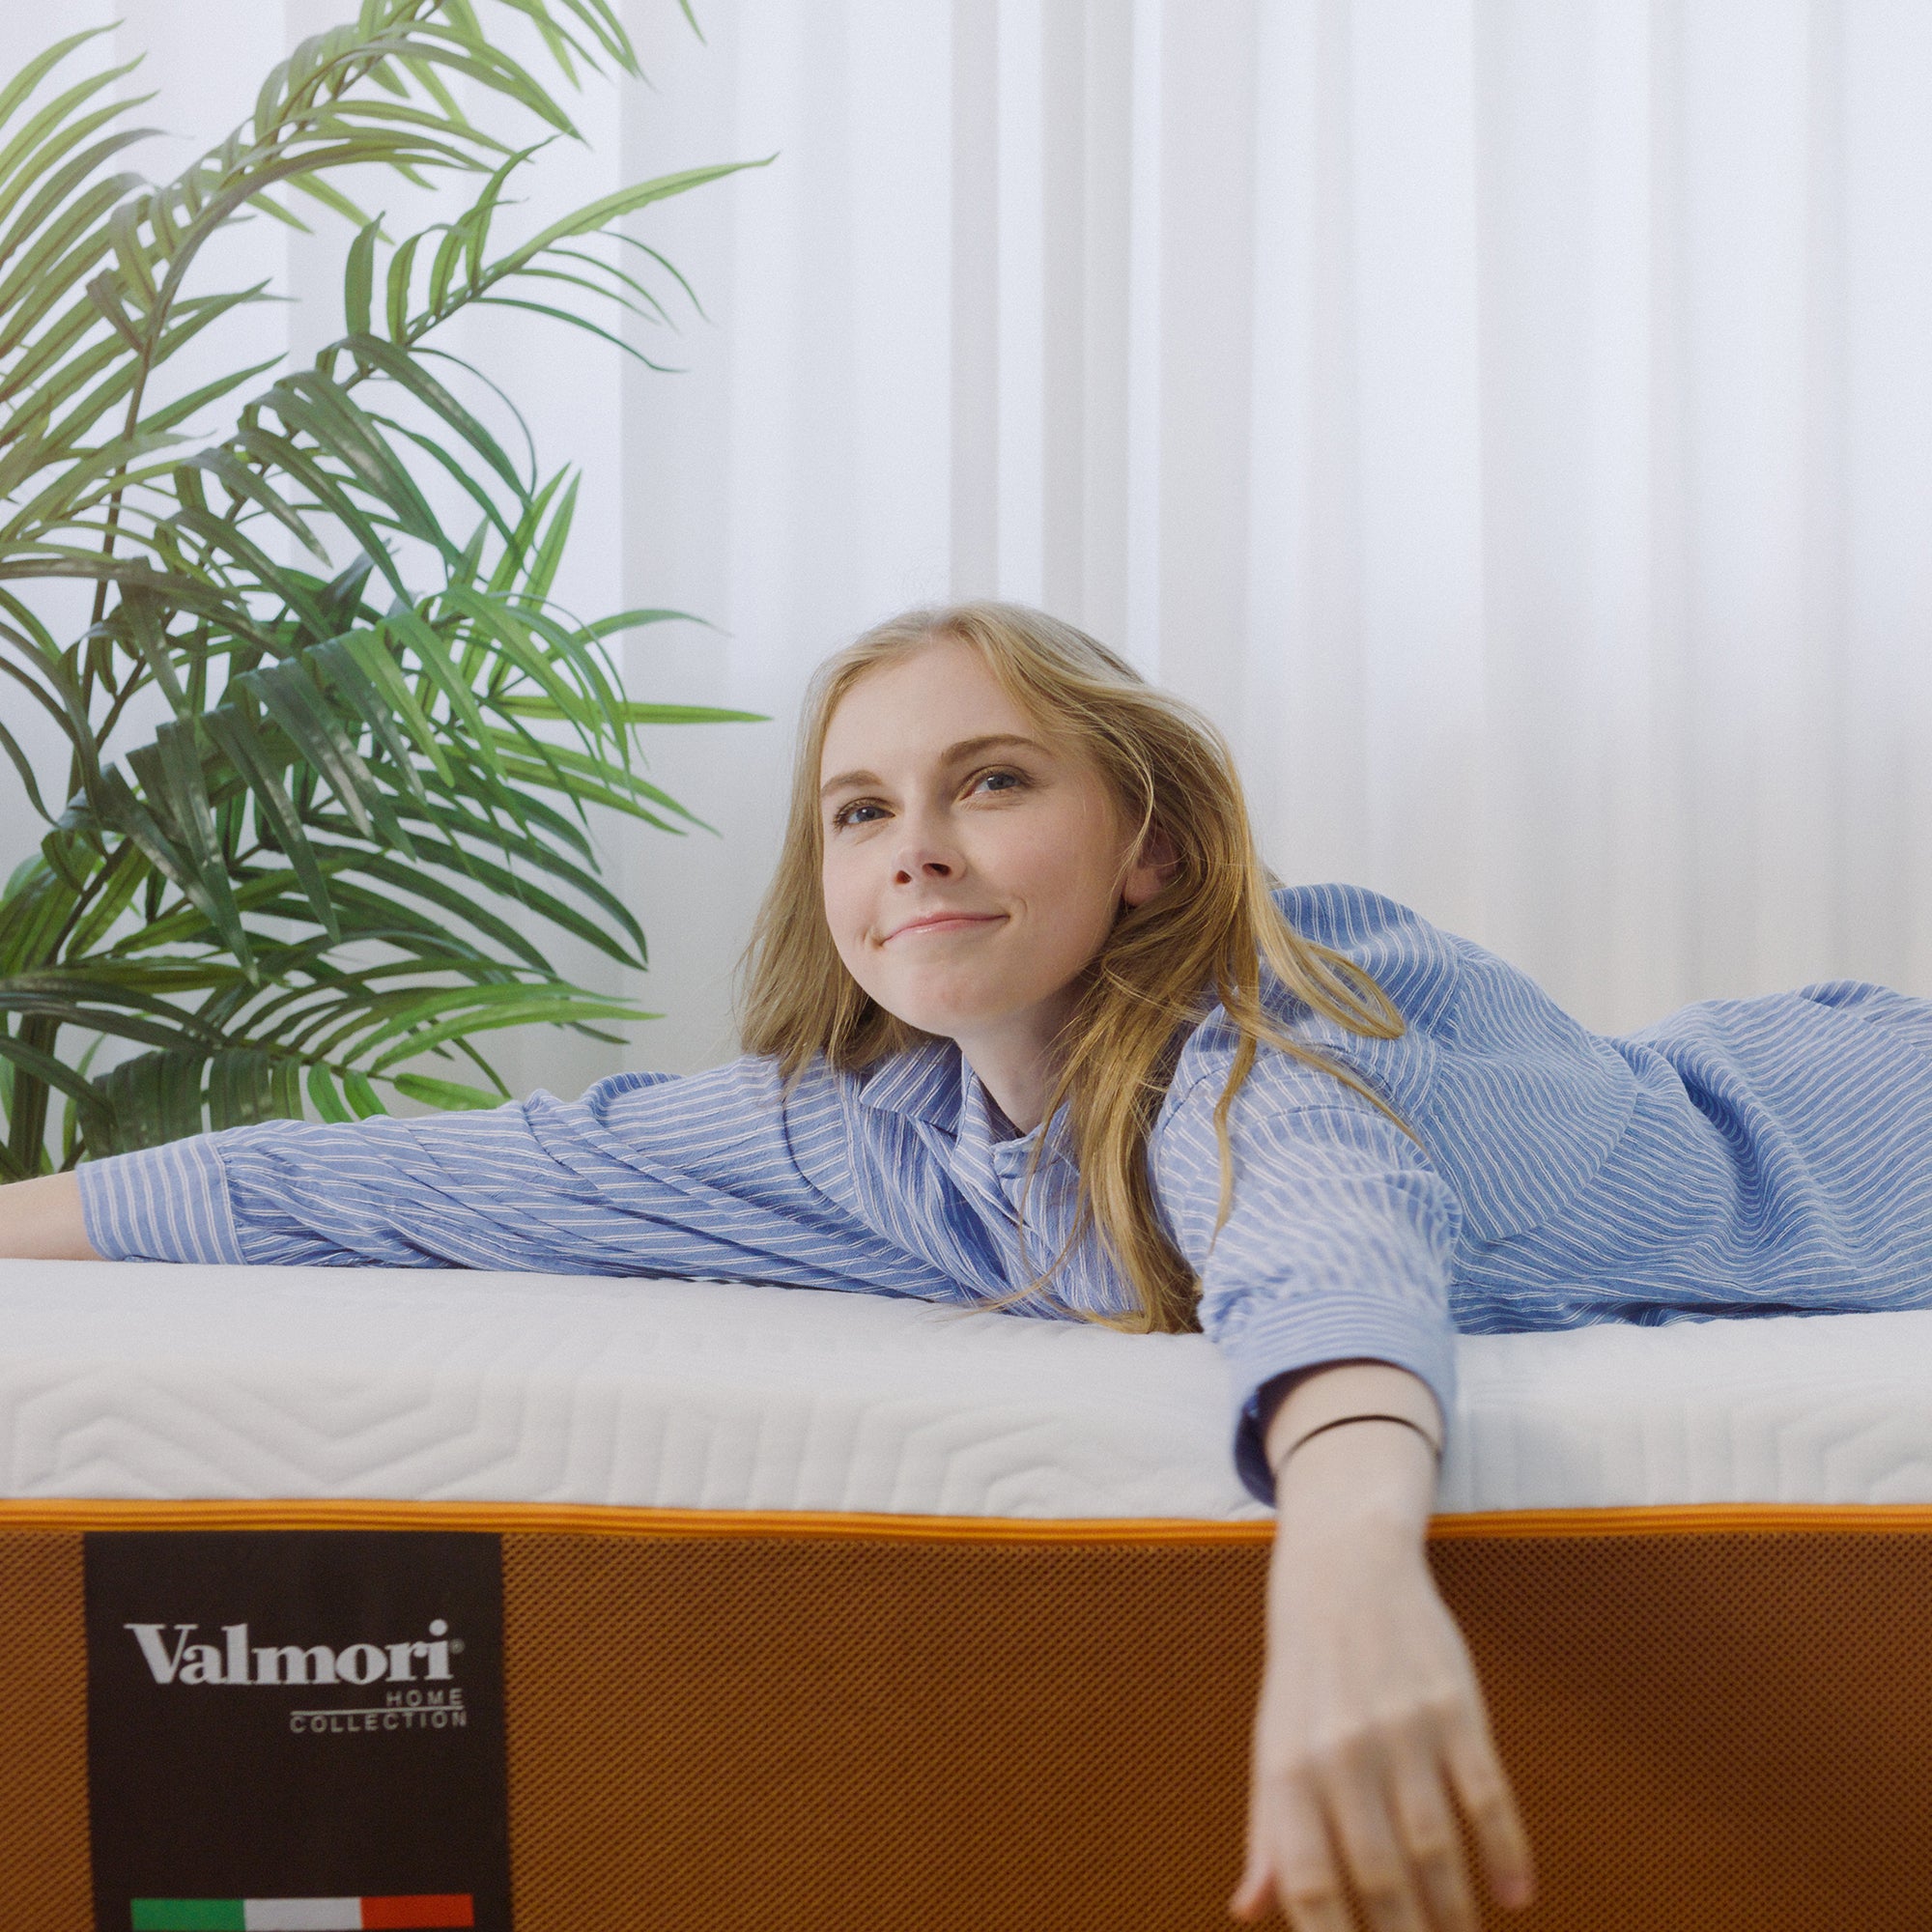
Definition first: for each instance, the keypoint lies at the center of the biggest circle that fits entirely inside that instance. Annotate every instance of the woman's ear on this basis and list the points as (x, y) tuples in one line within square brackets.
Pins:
[(1152, 867)]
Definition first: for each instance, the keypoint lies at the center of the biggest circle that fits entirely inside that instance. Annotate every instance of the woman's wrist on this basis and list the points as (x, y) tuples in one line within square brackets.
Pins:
[(1321, 1398), (41, 1220), (1371, 1479)]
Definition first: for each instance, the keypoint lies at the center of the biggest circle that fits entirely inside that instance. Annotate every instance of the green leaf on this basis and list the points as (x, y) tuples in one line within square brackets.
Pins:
[(223, 538), (57, 112), (36, 70), (186, 798), (355, 688), (235, 733), (271, 451), (407, 371), (447, 1095), (506, 885), (481, 1007), (362, 1096), (310, 402), (62, 182), (630, 713), (471, 485), (33, 910), (415, 633), (573, 320), (402, 265), (111, 891), (614, 207), (370, 653), (423, 883), (11, 745), (154, 1097), (292, 699), (318, 188), (635, 621), (197, 400), (328, 1103), (359, 279), (246, 1085), (245, 485), (122, 809), (509, 629), (123, 229)]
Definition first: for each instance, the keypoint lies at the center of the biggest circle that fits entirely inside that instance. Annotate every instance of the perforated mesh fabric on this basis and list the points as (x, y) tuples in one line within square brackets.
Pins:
[(808, 1732), (45, 1882), (1720, 1731), (1707, 1730)]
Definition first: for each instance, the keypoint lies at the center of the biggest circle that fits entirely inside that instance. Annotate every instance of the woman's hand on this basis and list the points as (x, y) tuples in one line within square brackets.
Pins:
[(40, 1220), (1371, 1731)]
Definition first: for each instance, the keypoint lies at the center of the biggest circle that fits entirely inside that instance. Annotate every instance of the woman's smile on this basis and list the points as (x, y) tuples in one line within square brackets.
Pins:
[(925, 924)]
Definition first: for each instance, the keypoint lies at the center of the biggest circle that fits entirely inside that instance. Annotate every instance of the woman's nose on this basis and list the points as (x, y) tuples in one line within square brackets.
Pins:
[(924, 852), (920, 863)]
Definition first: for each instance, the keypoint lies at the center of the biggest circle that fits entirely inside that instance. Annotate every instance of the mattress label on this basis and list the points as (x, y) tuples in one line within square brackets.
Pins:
[(296, 1728)]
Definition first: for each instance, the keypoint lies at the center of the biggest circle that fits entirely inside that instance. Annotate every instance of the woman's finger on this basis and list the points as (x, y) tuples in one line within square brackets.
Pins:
[(1291, 1861), (1359, 1812), (1476, 1775), (1430, 1840)]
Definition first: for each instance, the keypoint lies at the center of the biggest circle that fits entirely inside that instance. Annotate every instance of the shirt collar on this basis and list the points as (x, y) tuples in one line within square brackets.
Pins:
[(922, 1082), (932, 1082)]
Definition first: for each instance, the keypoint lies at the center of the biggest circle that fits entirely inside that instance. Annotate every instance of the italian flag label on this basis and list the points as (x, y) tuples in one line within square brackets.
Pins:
[(423, 1910)]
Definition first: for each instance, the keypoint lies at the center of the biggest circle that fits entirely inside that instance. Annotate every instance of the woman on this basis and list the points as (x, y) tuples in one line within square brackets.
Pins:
[(1026, 1026)]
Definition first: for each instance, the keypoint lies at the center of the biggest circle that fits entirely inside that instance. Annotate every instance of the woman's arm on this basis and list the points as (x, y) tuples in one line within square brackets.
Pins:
[(1371, 1731), (716, 1174), (40, 1220), (1332, 1265)]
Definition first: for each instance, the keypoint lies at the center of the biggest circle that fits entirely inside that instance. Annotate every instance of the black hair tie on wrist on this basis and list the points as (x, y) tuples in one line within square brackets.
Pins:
[(1342, 1422)]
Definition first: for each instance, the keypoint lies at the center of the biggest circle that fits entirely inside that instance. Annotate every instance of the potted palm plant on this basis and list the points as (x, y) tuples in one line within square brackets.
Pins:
[(372, 740)]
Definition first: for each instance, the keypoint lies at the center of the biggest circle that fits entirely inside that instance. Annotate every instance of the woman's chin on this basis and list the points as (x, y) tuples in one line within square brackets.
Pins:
[(939, 1023), (987, 1007), (944, 1018), (931, 1001)]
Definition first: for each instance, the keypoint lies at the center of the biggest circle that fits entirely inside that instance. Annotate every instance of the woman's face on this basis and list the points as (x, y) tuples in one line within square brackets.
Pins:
[(973, 865)]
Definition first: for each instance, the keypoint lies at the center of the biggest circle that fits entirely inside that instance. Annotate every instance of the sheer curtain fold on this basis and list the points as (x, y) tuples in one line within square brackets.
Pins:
[(1511, 422)]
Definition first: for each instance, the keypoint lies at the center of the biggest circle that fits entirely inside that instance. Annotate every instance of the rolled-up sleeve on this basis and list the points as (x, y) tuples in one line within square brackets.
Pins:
[(1337, 1247), (162, 1204), (706, 1175)]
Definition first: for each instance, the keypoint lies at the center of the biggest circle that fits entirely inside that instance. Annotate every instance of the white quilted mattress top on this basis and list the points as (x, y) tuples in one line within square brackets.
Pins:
[(172, 1383)]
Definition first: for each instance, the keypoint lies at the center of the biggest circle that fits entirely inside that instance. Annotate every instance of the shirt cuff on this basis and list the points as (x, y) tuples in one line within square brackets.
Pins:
[(1306, 1330), (164, 1204)]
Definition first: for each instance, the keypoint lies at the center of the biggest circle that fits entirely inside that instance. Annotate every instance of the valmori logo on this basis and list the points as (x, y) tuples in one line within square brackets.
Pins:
[(173, 1657)]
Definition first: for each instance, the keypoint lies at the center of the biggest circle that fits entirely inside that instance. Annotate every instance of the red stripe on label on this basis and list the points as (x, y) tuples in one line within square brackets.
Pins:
[(424, 1909)]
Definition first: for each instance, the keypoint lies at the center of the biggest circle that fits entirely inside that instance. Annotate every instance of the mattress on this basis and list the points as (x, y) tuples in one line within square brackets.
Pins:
[(170, 1382), (831, 1611)]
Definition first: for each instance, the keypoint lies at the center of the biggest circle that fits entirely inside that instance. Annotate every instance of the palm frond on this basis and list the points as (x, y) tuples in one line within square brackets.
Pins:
[(371, 791)]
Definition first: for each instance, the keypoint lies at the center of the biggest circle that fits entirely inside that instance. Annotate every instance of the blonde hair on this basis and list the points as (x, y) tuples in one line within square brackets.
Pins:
[(1201, 938)]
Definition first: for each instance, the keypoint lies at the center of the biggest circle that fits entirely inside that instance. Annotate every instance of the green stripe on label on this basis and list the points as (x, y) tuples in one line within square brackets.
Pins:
[(189, 1915)]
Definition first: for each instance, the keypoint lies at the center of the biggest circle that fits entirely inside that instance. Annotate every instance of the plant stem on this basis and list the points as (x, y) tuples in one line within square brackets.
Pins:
[(28, 1126)]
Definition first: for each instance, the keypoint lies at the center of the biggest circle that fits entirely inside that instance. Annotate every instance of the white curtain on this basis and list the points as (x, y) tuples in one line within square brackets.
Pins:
[(1511, 420)]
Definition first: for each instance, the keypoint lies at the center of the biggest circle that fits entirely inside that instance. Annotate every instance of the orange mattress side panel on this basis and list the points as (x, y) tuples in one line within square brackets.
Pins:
[(1721, 1731)]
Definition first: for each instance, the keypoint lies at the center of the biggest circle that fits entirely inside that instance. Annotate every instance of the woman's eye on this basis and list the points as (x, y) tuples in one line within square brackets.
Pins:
[(852, 814), (1000, 782)]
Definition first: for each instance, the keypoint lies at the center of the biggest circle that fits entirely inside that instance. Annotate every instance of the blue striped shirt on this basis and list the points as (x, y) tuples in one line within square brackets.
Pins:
[(1757, 1156)]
